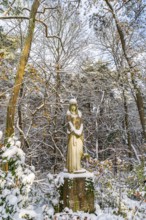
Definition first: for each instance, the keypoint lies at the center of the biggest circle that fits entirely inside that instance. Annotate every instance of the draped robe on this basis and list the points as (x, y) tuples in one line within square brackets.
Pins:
[(75, 142)]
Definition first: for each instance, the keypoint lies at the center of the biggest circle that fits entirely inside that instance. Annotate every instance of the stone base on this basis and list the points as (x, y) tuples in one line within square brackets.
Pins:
[(77, 192)]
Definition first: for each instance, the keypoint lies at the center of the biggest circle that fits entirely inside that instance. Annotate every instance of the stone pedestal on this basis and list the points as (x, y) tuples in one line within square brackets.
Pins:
[(77, 192)]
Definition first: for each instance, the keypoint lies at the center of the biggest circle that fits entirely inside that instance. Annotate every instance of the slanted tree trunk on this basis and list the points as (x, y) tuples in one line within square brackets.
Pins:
[(21, 71), (20, 116), (138, 94)]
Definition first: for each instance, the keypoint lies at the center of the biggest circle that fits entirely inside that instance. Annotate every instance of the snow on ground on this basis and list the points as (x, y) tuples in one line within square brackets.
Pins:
[(85, 216), (22, 199)]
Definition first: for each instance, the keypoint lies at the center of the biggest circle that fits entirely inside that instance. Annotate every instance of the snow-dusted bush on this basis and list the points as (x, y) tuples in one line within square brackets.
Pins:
[(136, 182), (113, 193), (107, 192), (116, 195), (45, 197), (15, 183)]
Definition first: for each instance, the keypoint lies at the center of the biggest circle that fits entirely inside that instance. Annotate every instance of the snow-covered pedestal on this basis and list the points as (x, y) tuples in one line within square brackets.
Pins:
[(77, 192)]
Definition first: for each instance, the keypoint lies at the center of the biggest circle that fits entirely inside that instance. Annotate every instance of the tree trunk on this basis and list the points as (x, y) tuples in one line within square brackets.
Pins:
[(139, 98), (97, 125), (127, 125), (57, 92), (20, 120), (21, 71), (145, 114)]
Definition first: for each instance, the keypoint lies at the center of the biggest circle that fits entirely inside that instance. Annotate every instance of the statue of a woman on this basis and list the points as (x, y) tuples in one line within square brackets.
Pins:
[(75, 137)]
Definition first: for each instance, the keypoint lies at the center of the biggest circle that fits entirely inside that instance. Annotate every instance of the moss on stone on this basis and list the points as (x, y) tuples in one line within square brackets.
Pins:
[(77, 194)]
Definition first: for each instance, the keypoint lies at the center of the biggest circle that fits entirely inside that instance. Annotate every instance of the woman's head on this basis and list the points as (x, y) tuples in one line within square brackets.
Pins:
[(73, 106)]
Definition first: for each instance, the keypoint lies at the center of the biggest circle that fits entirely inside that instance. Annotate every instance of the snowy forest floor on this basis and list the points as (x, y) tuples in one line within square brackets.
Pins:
[(27, 194)]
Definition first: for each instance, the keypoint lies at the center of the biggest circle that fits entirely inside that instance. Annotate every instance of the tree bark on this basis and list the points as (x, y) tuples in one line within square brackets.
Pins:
[(127, 125), (57, 91), (20, 117), (145, 114), (21, 71)]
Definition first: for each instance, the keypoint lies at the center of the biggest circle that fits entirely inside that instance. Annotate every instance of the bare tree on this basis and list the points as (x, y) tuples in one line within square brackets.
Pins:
[(121, 40)]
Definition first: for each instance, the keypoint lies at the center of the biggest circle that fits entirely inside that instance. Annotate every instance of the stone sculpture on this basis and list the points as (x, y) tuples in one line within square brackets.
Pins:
[(75, 138)]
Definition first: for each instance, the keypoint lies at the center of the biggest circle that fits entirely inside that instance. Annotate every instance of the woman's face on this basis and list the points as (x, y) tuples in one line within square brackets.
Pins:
[(73, 108)]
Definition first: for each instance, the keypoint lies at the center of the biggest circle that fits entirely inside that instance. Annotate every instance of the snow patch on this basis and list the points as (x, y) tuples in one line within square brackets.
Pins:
[(86, 174)]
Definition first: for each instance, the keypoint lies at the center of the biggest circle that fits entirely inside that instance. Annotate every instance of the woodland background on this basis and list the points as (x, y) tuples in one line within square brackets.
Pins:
[(95, 51)]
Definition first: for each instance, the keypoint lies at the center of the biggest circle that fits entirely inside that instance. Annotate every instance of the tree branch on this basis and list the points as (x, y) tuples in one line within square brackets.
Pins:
[(22, 133), (40, 21), (50, 36), (44, 9), (13, 17), (48, 8), (9, 9)]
